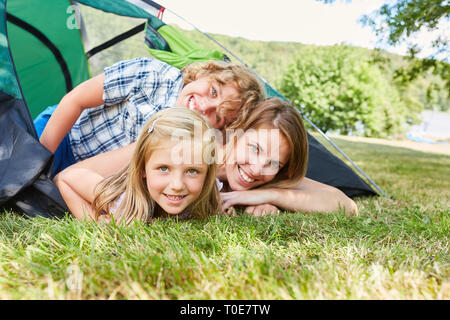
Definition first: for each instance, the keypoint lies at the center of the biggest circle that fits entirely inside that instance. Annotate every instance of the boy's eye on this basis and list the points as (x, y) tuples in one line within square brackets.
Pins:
[(218, 118), (163, 169)]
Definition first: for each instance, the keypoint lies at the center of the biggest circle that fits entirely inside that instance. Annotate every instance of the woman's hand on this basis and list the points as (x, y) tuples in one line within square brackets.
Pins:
[(248, 198)]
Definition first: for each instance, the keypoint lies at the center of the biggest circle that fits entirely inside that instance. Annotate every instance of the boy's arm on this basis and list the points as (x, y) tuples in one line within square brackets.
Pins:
[(88, 94)]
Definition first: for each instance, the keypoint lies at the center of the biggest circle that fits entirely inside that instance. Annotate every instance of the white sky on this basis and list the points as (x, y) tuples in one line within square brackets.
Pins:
[(304, 21)]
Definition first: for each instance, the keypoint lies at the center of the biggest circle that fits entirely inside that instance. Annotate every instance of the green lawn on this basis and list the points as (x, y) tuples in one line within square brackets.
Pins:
[(395, 249)]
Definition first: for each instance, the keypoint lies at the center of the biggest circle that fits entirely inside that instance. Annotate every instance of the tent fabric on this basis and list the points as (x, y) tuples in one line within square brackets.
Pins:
[(325, 167), (25, 165), (121, 7), (183, 51), (8, 80), (24, 184), (56, 44)]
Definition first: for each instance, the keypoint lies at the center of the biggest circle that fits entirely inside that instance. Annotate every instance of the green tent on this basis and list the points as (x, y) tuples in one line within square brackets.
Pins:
[(57, 54)]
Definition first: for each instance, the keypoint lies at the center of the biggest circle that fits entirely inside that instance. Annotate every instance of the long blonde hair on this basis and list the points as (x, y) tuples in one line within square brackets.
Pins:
[(281, 115), (137, 203)]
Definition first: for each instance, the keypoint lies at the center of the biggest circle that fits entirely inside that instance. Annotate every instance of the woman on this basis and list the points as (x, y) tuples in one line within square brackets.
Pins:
[(276, 177), (268, 154)]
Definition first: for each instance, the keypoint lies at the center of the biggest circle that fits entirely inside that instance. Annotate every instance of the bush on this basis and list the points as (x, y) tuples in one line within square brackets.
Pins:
[(339, 89)]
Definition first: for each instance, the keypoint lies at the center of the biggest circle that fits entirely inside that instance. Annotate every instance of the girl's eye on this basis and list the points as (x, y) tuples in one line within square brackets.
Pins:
[(192, 171), (163, 169), (213, 92)]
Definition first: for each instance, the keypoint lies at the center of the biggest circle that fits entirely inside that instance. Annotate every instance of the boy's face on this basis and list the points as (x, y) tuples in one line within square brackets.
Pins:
[(205, 96)]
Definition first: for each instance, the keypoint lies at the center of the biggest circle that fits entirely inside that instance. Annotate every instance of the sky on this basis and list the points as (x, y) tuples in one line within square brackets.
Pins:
[(304, 21)]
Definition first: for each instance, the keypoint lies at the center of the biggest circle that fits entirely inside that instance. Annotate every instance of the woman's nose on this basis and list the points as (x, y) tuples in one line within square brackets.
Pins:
[(261, 167), (257, 169)]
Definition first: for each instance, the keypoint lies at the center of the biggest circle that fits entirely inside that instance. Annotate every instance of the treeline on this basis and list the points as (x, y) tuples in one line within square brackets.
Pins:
[(341, 88), (345, 89)]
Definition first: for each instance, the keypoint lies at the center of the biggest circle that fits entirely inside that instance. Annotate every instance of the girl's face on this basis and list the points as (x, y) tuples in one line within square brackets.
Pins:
[(172, 182), (257, 157), (205, 96)]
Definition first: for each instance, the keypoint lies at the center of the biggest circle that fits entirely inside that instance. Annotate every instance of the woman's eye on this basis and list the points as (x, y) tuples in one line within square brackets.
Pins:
[(214, 92), (275, 164), (254, 147), (163, 169)]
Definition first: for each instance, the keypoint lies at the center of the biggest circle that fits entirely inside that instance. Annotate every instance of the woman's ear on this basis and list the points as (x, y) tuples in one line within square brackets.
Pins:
[(143, 174)]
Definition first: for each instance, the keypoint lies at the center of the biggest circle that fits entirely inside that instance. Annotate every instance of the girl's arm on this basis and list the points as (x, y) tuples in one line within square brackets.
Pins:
[(107, 163), (77, 186), (77, 182), (308, 196), (88, 94)]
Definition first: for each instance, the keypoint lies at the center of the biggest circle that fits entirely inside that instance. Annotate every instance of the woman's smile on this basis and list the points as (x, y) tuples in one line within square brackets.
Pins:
[(245, 176)]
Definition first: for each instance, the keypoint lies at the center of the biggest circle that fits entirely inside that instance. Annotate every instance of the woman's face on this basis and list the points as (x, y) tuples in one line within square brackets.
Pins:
[(256, 158)]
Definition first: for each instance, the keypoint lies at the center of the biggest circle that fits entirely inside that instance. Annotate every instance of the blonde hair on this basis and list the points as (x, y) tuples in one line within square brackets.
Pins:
[(137, 203), (281, 115), (246, 82)]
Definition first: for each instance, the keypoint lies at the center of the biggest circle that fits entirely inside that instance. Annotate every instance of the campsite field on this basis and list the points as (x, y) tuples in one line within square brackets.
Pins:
[(396, 249)]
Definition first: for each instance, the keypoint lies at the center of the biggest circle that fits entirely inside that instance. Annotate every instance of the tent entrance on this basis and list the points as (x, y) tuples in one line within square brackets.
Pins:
[(46, 42)]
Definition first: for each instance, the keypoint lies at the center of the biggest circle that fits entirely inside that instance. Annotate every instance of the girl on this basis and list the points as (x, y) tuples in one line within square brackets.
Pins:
[(108, 111), (154, 183)]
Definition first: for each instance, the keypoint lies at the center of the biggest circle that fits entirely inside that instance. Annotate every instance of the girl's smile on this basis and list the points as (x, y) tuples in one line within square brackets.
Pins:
[(175, 199)]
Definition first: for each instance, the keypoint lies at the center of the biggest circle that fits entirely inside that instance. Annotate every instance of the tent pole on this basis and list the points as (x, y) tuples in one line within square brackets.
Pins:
[(341, 152), (305, 117)]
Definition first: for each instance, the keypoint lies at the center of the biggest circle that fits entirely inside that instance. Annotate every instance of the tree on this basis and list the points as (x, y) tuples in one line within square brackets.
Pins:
[(398, 21), (339, 88)]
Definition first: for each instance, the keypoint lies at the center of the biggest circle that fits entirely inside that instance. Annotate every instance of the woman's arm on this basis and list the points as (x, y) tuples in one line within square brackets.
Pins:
[(77, 186), (308, 196), (88, 94)]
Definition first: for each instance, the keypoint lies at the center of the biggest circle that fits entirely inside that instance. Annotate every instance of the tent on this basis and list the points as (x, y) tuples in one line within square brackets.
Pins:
[(42, 58)]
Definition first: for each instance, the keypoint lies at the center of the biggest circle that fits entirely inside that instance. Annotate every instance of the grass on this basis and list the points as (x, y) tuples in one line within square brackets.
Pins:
[(396, 249)]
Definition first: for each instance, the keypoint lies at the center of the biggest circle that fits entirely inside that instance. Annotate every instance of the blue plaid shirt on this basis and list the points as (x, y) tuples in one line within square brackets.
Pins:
[(134, 90)]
